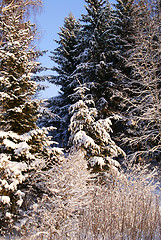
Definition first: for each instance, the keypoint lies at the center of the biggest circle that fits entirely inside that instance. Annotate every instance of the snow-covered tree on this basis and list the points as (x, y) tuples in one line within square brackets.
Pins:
[(65, 58), (20, 157), (88, 54), (24, 147), (18, 109), (65, 54), (119, 39), (92, 135), (11, 197), (94, 58), (102, 57)]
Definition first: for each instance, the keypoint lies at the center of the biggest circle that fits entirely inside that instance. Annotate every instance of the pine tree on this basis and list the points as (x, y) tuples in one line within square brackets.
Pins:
[(105, 43), (123, 26), (65, 54), (96, 61), (123, 32), (104, 56)]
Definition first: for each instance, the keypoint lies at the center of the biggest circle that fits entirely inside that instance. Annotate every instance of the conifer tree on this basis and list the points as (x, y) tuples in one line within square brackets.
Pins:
[(123, 26), (65, 58), (92, 136), (94, 58), (24, 147), (103, 57), (123, 39), (96, 63), (18, 109), (80, 56), (65, 54)]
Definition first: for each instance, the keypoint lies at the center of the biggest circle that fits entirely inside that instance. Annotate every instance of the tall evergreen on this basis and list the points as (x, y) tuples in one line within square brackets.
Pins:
[(107, 35), (124, 26), (123, 38), (81, 58), (24, 148), (94, 60), (65, 54), (94, 57), (18, 109), (66, 63)]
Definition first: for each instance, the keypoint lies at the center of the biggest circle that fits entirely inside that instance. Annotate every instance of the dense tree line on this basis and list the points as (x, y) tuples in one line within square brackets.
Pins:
[(115, 53)]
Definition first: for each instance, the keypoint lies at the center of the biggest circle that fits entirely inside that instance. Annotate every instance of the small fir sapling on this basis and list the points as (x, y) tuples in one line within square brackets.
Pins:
[(92, 135)]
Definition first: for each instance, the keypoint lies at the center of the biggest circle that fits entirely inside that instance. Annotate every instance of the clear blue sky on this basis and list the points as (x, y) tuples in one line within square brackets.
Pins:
[(49, 22)]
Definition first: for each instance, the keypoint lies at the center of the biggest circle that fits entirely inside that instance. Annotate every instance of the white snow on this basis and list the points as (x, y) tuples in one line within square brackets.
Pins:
[(21, 147), (18, 109), (19, 202), (5, 199), (4, 95), (9, 144), (13, 185), (82, 139), (8, 215), (113, 162), (97, 160)]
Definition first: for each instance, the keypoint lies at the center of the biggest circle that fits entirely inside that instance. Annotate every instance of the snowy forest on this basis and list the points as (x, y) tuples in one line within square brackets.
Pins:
[(85, 164)]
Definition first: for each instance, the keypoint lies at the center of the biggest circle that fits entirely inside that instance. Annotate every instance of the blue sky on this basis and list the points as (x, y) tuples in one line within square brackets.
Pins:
[(49, 22)]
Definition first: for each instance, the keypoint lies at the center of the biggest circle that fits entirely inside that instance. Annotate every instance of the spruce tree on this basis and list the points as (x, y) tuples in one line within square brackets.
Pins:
[(123, 39), (18, 108), (92, 136), (65, 54), (95, 50), (123, 31), (103, 57), (66, 63), (24, 148), (123, 26)]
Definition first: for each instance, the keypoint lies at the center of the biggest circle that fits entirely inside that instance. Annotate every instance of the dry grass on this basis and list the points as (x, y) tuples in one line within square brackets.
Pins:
[(126, 208)]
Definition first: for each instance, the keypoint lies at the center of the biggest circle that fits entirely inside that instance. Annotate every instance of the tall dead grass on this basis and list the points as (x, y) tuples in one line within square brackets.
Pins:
[(126, 209), (76, 208)]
